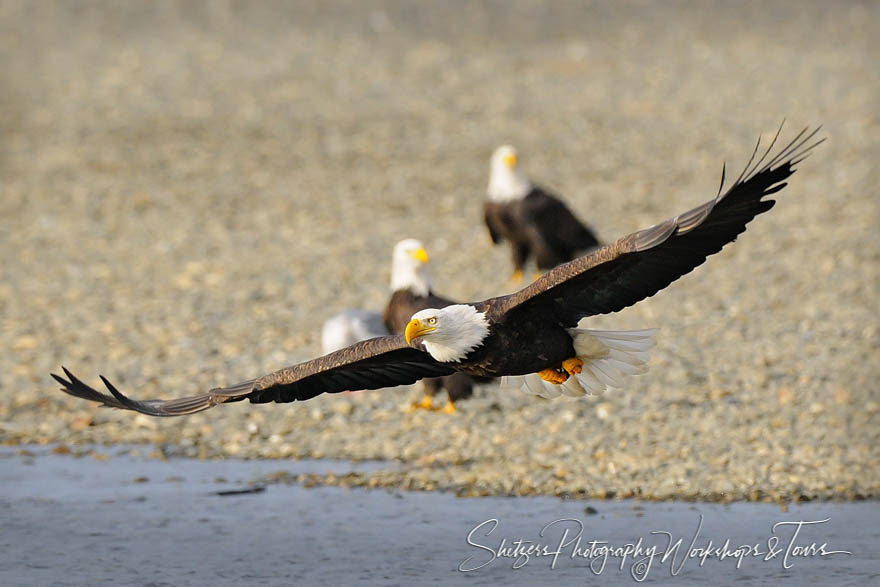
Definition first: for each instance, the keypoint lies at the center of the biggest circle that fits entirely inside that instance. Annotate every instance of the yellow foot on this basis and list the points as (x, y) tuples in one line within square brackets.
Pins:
[(449, 408), (537, 276), (553, 375), (425, 404), (517, 276), (573, 366)]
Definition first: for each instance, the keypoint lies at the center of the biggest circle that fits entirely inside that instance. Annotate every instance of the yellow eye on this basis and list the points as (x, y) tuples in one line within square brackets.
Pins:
[(432, 321)]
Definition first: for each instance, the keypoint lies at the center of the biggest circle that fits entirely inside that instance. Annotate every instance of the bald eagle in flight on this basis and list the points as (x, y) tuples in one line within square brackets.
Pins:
[(533, 221), (531, 333), (410, 292)]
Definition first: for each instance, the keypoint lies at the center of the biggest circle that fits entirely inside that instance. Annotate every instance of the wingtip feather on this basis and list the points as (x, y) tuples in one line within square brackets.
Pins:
[(116, 393)]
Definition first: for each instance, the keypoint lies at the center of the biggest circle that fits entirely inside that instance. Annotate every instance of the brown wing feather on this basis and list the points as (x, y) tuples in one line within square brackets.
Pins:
[(490, 218), (639, 265), (375, 363)]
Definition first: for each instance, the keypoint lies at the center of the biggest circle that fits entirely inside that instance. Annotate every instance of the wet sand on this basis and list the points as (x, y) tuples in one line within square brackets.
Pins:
[(136, 521)]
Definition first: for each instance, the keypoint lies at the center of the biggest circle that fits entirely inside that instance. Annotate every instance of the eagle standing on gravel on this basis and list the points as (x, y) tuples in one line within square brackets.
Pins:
[(531, 333), (533, 221), (410, 292)]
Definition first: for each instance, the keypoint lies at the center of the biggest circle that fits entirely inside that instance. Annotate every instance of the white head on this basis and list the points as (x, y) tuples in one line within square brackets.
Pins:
[(507, 182), (449, 333), (409, 269)]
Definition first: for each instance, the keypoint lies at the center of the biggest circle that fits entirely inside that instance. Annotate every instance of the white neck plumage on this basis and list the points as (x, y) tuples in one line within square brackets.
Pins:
[(507, 185), (410, 275), (460, 330)]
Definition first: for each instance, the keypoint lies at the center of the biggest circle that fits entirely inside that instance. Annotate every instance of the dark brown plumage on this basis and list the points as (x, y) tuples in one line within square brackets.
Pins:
[(403, 303), (374, 363), (536, 223), (539, 225), (526, 331)]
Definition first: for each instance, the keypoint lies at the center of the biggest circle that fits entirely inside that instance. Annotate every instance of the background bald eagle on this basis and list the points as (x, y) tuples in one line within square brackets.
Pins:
[(533, 221), (410, 292), (532, 331)]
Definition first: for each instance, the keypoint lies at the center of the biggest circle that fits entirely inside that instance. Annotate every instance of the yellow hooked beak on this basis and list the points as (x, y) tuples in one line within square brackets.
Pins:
[(510, 160), (419, 254), (415, 329)]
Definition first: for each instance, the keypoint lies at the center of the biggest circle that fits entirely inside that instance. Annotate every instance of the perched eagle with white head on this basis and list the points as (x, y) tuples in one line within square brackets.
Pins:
[(410, 292), (533, 221), (532, 332)]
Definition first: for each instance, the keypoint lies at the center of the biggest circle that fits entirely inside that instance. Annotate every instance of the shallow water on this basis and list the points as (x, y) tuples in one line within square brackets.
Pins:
[(129, 520)]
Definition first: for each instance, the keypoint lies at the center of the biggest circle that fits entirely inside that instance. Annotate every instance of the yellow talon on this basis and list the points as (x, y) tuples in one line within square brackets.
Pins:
[(449, 409), (553, 376), (425, 404), (573, 366), (537, 276), (517, 276)]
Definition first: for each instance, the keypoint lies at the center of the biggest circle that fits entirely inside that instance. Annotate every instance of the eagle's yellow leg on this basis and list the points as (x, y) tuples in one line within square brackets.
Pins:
[(517, 276), (536, 276), (553, 375), (449, 408), (573, 366), (425, 404)]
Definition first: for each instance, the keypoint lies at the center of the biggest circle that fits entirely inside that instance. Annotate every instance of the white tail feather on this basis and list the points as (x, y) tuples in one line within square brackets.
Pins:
[(610, 357), (572, 388)]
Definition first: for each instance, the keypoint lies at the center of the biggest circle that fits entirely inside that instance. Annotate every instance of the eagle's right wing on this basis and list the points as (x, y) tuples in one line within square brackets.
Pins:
[(640, 264), (491, 216), (375, 363)]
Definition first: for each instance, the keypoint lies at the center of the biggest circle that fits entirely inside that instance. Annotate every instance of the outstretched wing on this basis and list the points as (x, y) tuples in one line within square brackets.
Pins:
[(385, 361), (639, 265)]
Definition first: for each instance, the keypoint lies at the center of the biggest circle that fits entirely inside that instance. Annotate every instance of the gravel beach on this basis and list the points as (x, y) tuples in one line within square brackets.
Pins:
[(187, 190)]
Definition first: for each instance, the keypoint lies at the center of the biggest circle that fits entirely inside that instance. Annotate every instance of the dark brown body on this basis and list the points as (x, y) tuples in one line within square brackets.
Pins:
[(540, 226), (519, 343)]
